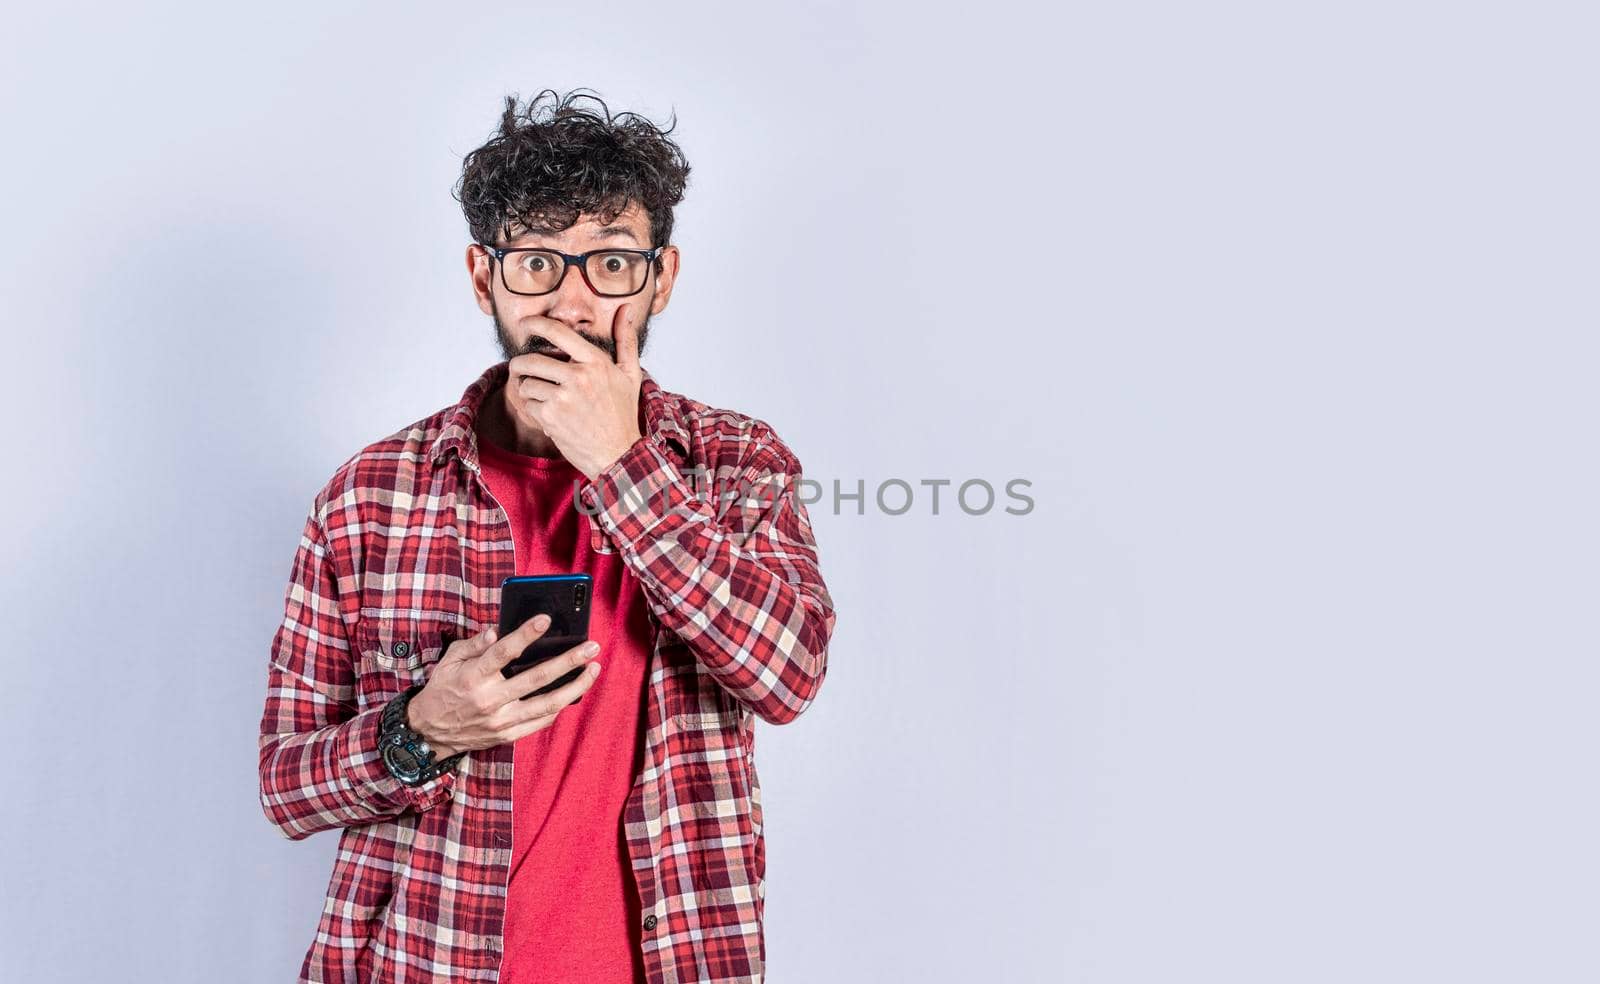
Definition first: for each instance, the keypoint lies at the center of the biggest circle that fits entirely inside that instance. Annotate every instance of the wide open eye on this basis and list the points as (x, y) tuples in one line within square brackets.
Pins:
[(533, 271), (535, 263), (618, 272)]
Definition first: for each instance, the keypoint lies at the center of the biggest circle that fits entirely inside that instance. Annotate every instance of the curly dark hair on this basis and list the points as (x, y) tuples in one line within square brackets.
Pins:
[(551, 161)]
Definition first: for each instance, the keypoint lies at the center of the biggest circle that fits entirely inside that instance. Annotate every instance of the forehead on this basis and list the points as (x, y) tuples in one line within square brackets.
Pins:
[(589, 229)]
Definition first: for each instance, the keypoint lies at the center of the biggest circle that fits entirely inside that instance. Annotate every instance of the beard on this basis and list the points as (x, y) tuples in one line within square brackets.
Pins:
[(538, 345)]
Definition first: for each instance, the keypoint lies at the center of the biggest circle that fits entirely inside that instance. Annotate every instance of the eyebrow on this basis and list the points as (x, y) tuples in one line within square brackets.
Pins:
[(616, 232), (613, 231)]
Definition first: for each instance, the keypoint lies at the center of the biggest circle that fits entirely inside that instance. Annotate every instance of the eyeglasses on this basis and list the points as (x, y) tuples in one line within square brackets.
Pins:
[(533, 271)]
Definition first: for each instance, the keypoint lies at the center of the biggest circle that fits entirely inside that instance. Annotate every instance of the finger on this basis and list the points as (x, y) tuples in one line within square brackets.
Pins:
[(569, 341), (534, 388), (525, 682), (470, 647), (527, 709), (511, 646), (526, 728), (626, 336), (536, 366)]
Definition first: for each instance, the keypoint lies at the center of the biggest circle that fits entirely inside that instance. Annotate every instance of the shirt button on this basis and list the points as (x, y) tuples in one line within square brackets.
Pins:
[(650, 921), (402, 650)]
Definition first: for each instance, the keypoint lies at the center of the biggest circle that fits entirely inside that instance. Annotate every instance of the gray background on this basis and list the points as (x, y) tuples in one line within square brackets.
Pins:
[(1286, 311)]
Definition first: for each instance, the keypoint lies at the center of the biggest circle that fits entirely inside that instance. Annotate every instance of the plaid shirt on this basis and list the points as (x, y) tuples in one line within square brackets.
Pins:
[(404, 550)]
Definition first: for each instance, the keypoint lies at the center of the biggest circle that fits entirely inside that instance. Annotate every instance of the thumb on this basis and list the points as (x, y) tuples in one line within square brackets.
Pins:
[(626, 337)]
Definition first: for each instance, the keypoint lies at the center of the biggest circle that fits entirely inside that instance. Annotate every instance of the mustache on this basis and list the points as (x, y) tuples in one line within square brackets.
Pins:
[(538, 345)]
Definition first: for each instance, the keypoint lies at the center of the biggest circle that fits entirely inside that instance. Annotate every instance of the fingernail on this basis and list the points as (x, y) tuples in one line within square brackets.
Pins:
[(594, 669), (591, 647)]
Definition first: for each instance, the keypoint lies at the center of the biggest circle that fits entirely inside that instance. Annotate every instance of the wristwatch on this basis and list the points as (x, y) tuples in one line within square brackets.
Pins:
[(405, 752)]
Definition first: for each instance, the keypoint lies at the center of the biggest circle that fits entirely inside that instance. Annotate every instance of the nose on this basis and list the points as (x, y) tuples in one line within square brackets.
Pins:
[(572, 301)]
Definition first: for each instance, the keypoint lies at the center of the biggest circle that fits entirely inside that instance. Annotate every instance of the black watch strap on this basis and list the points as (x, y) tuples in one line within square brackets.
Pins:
[(405, 752)]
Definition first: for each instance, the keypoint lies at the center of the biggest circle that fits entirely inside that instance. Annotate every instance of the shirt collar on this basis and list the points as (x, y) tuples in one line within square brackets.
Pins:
[(658, 418)]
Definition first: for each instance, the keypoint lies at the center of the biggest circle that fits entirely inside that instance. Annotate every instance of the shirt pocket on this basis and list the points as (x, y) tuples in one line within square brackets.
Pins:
[(397, 651)]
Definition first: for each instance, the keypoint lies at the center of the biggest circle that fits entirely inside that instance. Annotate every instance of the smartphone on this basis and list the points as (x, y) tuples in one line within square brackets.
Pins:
[(563, 597)]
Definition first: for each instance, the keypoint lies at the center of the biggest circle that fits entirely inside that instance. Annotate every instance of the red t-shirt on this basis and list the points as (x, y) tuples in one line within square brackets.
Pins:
[(572, 910)]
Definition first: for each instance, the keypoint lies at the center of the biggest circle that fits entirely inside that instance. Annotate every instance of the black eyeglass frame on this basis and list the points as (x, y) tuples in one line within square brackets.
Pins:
[(579, 260)]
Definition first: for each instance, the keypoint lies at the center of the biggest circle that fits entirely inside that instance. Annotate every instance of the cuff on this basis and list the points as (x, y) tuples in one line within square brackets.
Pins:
[(639, 492), (362, 768)]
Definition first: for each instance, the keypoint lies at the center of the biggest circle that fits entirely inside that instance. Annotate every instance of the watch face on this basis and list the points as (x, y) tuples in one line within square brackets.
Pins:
[(401, 760)]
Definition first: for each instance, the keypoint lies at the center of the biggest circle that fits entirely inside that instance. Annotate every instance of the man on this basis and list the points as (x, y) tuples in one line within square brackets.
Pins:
[(489, 837)]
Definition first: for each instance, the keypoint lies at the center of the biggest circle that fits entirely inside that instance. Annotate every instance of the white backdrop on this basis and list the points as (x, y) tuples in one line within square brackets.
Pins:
[(1286, 312)]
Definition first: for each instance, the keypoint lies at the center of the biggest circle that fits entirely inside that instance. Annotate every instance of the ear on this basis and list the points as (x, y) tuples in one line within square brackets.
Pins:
[(480, 267), (666, 277)]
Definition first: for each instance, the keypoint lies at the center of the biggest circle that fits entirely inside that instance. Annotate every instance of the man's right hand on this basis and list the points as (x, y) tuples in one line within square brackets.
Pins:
[(468, 704)]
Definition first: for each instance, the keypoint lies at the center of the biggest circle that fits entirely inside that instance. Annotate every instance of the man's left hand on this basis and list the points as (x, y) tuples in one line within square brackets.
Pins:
[(588, 407)]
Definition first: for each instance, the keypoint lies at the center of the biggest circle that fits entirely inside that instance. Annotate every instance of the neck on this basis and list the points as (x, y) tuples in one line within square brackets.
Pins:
[(503, 428)]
